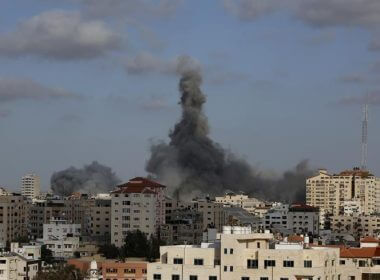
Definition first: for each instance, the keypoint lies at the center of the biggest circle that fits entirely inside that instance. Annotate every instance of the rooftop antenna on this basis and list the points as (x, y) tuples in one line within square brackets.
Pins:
[(365, 135)]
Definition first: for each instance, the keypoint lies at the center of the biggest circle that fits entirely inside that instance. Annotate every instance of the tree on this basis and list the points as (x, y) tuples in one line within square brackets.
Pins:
[(46, 255), (109, 251), (67, 272), (154, 244), (76, 254), (136, 245)]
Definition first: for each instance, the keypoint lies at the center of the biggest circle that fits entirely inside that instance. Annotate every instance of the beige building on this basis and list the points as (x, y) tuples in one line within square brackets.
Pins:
[(245, 256), (16, 267), (136, 205), (98, 218), (250, 204), (30, 186), (330, 191), (12, 217), (213, 213), (357, 226)]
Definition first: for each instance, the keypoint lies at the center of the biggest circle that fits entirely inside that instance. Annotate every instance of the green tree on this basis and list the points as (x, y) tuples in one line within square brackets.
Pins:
[(136, 245), (154, 248), (109, 251), (67, 272), (46, 255)]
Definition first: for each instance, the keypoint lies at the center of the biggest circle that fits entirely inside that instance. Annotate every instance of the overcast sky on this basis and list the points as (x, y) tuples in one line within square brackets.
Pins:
[(84, 80)]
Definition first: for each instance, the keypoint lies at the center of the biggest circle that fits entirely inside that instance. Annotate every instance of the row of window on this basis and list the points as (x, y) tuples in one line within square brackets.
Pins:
[(195, 277)]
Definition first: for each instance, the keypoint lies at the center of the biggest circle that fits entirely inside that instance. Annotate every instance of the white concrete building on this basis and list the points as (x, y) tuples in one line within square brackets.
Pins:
[(59, 228), (63, 248), (30, 186), (245, 256), (136, 205), (28, 251), (250, 204), (16, 267)]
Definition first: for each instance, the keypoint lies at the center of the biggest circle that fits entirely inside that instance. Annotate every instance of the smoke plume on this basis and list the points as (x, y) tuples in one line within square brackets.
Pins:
[(93, 178), (193, 164)]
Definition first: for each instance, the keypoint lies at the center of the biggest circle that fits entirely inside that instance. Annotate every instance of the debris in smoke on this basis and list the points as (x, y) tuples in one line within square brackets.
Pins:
[(93, 178), (192, 163)]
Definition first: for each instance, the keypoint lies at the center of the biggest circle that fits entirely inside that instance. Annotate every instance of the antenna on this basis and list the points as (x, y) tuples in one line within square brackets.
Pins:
[(365, 135)]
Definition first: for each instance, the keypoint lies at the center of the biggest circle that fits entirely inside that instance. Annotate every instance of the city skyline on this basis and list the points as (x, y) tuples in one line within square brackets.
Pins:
[(98, 83)]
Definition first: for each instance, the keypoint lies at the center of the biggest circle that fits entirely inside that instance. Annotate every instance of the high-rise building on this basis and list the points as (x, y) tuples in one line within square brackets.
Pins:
[(30, 186), (136, 205), (12, 217), (330, 191)]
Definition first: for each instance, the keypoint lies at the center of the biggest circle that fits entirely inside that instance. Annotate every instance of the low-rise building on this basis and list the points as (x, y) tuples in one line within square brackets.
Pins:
[(59, 228), (16, 267), (245, 257)]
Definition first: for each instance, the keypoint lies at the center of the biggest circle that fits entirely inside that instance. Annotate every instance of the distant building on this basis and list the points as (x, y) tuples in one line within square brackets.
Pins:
[(250, 204), (330, 191), (183, 226), (16, 267), (59, 228), (136, 205), (12, 217), (357, 226), (98, 218), (30, 186)]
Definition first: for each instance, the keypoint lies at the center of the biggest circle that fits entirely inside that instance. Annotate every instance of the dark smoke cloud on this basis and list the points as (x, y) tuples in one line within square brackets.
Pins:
[(193, 164), (93, 178)]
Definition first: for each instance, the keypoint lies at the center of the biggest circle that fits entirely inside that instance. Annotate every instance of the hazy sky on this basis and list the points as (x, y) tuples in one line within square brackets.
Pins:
[(84, 80)]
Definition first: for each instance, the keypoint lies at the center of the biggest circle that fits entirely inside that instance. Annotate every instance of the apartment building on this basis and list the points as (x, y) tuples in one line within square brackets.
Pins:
[(250, 204), (98, 218), (213, 213), (12, 217), (330, 191), (63, 248), (245, 256), (183, 226), (136, 205), (59, 228), (16, 267), (30, 186), (293, 219), (40, 212), (121, 270), (356, 225)]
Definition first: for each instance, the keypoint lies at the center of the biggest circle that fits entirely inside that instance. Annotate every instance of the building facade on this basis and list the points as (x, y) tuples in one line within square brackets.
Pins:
[(12, 217), (136, 205), (98, 216), (245, 257), (330, 191), (30, 186)]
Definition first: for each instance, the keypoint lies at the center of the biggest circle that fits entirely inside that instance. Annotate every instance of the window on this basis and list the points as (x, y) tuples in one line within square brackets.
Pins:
[(156, 276), (252, 263), (212, 278), (284, 278), (225, 268), (225, 251), (193, 277), (231, 268), (264, 278), (231, 251), (307, 264), (269, 263), (175, 277), (288, 264), (198, 261), (342, 262), (177, 261), (258, 245), (362, 263), (245, 278)]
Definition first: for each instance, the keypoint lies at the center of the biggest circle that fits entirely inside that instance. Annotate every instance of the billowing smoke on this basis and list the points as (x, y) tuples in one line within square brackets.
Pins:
[(193, 164), (93, 178)]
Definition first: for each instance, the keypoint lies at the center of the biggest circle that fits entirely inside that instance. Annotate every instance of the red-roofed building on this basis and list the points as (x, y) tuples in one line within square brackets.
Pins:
[(136, 205)]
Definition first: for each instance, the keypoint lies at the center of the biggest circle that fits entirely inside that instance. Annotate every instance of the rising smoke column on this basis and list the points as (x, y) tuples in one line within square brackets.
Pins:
[(193, 164), (93, 178)]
